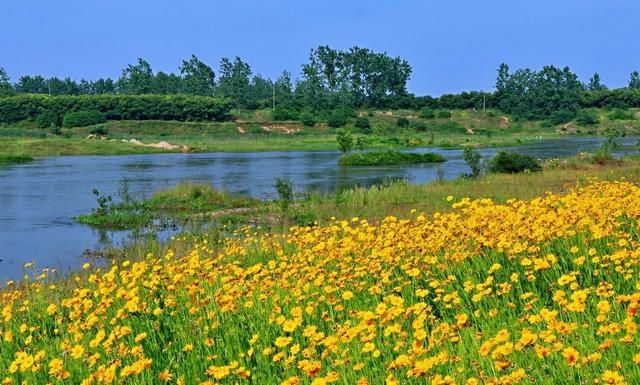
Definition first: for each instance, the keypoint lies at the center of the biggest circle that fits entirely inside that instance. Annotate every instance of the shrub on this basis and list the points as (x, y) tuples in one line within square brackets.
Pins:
[(620, 114), (99, 130), (561, 116), (47, 118), (344, 139), (14, 109), (419, 125), (83, 119), (308, 119), (587, 118), (284, 188), (390, 157), (443, 114), (281, 114), (337, 118), (403, 122), (472, 157), (363, 125), (511, 163), (427, 113)]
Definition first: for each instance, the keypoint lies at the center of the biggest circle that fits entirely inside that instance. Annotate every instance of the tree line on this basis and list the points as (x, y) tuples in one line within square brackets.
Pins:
[(344, 80), (355, 78)]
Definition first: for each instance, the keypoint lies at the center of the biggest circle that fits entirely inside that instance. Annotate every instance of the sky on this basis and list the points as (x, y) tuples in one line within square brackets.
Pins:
[(452, 45)]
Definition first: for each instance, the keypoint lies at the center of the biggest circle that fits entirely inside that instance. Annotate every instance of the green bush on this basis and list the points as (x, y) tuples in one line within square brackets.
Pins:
[(47, 118), (99, 130), (427, 113), (473, 159), (363, 125), (561, 117), (511, 163), (378, 158), (403, 122), (419, 125), (14, 109), (282, 114), (620, 114), (443, 114), (83, 119), (308, 119), (337, 118), (587, 118)]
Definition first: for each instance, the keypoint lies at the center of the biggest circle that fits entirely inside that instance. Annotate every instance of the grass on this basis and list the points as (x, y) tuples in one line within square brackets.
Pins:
[(255, 131), (12, 159), (389, 157), (204, 203), (182, 202)]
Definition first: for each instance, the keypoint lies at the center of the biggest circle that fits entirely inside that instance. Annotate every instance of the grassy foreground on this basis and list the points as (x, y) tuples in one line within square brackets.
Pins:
[(542, 290)]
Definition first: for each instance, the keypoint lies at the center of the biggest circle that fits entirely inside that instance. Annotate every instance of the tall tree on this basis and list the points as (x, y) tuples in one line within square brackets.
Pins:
[(261, 92), (199, 78), (503, 78), (595, 84), (5, 85), (66, 86), (137, 79), (167, 84), (283, 88), (103, 86), (234, 81), (32, 85), (634, 81), (536, 95)]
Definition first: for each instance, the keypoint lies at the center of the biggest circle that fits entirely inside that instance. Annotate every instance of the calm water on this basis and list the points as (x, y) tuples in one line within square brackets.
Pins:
[(38, 199)]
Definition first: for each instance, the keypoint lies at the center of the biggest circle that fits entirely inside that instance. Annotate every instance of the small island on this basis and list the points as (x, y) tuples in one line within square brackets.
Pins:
[(389, 157)]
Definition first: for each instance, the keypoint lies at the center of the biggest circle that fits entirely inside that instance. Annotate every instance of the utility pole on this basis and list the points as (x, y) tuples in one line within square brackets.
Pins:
[(484, 102), (273, 96)]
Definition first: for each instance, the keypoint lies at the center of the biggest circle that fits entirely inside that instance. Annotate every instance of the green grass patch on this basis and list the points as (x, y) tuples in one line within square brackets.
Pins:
[(10, 159), (390, 157)]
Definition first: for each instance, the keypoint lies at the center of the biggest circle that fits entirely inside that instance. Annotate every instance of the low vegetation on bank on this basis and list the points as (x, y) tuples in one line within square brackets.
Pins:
[(181, 202), (11, 159), (389, 157)]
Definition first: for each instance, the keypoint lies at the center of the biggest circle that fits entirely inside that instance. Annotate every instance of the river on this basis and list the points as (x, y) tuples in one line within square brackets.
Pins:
[(39, 199)]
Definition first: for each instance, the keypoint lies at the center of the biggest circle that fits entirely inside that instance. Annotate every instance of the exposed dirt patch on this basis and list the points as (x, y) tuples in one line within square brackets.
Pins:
[(470, 131), (162, 145), (281, 129), (505, 122)]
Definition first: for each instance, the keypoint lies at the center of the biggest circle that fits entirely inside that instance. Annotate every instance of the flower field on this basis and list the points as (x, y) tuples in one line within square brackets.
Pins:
[(544, 291)]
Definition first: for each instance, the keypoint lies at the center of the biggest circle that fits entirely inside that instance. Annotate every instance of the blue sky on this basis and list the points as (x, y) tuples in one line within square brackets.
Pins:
[(453, 45)]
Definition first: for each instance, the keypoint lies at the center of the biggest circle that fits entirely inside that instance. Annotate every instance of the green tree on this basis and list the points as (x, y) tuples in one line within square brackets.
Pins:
[(137, 79), (199, 78), (634, 81), (344, 139), (595, 84), (537, 95), (234, 81), (260, 92), (32, 85), (283, 88), (167, 84), (5, 85), (503, 78)]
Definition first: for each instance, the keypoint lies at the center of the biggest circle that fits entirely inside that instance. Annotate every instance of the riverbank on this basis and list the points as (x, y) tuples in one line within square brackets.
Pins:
[(202, 203), (255, 131)]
